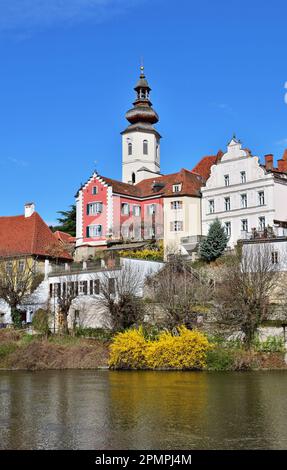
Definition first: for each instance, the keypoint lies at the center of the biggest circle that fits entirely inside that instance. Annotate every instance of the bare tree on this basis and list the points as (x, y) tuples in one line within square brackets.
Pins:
[(242, 295), (19, 278), (181, 290), (64, 292), (120, 294)]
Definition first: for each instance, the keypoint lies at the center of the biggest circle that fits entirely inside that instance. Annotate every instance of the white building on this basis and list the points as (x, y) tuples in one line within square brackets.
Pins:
[(247, 197)]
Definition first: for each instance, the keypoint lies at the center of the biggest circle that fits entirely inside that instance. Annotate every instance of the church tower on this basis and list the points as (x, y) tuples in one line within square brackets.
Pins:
[(140, 140)]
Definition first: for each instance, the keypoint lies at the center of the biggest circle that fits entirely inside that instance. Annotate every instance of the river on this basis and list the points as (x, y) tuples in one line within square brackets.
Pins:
[(143, 410)]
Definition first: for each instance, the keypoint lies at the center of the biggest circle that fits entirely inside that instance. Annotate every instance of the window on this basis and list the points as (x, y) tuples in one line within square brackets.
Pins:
[(145, 147), (227, 226), (94, 231), (176, 188), (95, 287), (274, 257), (243, 200), (130, 148), (261, 223), (244, 225), (125, 208), (176, 205), (136, 210), (176, 226), (21, 266), (211, 206), (226, 180), (112, 285), (94, 208), (151, 232), (95, 190), (9, 267), (83, 287), (243, 177), (261, 198), (151, 209), (133, 178), (227, 203)]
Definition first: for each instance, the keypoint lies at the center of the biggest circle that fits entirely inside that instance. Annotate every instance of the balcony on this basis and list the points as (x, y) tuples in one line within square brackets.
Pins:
[(84, 267), (265, 234), (190, 244)]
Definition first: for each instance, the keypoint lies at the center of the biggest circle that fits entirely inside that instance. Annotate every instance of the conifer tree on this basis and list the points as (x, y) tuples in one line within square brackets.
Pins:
[(215, 243)]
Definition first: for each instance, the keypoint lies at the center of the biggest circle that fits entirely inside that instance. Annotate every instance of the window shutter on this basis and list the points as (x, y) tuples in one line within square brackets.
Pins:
[(85, 287), (87, 232), (88, 211), (91, 287), (97, 286)]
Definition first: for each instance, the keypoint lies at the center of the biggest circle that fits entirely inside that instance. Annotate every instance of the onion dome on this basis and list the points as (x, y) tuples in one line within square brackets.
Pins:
[(142, 112)]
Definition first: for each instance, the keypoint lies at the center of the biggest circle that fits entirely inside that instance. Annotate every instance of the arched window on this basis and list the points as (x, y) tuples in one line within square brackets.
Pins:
[(133, 178), (130, 148), (145, 147)]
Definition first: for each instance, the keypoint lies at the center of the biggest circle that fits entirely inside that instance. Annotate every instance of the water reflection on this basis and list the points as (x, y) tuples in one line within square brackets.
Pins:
[(142, 410)]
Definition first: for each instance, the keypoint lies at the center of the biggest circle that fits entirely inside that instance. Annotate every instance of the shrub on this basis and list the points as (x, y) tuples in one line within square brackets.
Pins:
[(219, 359), (186, 351), (6, 349), (40, 321), (97, 333), (271, 344), (128, 350), (134, 349), (153, 254)]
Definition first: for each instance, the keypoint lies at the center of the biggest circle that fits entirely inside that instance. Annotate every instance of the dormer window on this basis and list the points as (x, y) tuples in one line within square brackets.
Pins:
[(130, 148), (176, 188), (145, 147)]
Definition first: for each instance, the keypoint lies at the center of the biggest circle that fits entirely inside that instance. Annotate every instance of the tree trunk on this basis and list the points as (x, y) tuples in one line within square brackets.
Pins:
[(63, 324)]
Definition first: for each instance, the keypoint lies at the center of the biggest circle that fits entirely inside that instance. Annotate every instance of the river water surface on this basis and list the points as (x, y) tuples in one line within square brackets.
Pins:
[(143, 410)]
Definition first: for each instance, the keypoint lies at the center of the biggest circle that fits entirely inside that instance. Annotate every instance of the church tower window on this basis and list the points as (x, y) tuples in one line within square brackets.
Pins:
[(130, 148), (145, 147)]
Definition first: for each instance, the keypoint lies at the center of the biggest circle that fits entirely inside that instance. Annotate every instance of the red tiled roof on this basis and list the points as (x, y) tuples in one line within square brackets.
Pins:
[(161, 185), (20, 235), (203, 167), (64, 237)]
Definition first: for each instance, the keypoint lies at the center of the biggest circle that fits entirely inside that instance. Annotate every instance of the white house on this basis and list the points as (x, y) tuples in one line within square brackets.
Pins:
[(246, 196)]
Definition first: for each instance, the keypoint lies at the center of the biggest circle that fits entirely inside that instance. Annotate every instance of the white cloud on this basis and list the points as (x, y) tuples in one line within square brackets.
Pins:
[(30, 14)]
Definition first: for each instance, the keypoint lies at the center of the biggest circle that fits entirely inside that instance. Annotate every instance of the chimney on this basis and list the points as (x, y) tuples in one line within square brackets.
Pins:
[(269, 161), (29, 209), (282, 163)]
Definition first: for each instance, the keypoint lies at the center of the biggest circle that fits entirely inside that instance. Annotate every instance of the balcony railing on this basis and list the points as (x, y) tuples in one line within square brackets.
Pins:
[(85, 266), (263, 234)]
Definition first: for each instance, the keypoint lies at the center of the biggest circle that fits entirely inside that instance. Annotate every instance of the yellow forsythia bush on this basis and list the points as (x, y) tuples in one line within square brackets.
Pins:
[(187, 350), (128, 350)]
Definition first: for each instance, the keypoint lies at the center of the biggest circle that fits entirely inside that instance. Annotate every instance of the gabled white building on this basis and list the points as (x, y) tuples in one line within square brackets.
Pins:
[(247, 197)]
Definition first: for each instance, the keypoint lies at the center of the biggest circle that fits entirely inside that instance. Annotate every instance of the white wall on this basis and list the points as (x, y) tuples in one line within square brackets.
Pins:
[(132, 163)]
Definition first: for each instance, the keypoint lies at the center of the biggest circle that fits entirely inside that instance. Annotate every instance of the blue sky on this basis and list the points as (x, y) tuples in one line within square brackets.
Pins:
[(67, 73)]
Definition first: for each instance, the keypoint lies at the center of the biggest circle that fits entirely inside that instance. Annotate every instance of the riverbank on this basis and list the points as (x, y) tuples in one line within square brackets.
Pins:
[(22, 351)]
